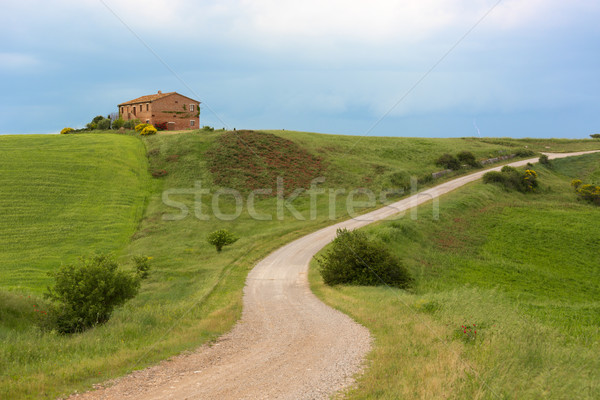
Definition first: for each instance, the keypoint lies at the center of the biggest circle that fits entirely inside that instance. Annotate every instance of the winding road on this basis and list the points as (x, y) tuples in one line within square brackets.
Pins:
[(288, 344)]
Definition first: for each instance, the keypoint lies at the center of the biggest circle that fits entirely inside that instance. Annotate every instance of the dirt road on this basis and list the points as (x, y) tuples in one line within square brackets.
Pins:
[(288, 344)]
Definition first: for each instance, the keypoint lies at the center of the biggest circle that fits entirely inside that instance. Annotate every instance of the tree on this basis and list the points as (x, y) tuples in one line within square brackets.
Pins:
[(221, 238), (595, 135)]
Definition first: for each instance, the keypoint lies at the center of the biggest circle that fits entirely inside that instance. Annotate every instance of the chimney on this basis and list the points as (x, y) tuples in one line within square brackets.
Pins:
[(159, 92)]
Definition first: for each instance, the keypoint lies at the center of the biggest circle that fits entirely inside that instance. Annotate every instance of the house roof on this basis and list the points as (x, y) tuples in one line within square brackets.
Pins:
[(153, 97)]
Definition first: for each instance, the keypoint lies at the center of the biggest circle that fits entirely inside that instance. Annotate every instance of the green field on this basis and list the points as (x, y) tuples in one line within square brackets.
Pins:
[(193, 293), (61, 196), (524, 268)]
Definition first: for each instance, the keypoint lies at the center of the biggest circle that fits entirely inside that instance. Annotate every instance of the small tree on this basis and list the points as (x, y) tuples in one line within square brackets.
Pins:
[(595, 135), (221, 238), (85, 294)]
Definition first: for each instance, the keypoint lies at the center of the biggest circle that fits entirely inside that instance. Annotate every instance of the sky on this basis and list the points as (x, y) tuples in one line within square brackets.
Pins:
[(432, 68)]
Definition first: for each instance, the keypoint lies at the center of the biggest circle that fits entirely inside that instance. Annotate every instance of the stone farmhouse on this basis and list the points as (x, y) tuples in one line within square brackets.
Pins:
[(171, 110)]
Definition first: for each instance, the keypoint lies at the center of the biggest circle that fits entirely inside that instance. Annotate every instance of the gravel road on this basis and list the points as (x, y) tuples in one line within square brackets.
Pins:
[(288, 344)]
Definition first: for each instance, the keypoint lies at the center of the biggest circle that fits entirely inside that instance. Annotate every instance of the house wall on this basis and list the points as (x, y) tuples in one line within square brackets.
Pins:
[(169, 109)]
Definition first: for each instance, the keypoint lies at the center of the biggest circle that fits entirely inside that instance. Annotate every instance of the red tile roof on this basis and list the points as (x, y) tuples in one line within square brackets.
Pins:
[(147, 99)]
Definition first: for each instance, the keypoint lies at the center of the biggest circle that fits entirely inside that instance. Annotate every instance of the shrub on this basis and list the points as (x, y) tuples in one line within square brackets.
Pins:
[(139, 127), (142, 266), (66, 131), (493, 177), (466, 157), (448, 161), (545, 160), (208, 128), (529, 181), (86, 293), (354, 259), (103, 124), (221, 238), (524, 153), (512, 179), (131, 123), (595, 135), (97, 119), (148, 130), (91, 126), (118, 123), (161, 126), (587, 192)]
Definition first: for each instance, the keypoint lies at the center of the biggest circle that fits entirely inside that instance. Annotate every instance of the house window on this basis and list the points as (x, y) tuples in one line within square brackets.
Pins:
[(192, 122), (140, 108), (191, 108), (121, 110), (147, 106)]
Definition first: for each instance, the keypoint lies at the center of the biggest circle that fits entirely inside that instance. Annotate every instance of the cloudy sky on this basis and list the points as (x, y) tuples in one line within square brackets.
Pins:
[(387, 68)]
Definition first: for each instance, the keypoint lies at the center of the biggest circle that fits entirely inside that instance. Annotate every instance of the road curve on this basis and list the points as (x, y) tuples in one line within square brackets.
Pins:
[(288, 344)]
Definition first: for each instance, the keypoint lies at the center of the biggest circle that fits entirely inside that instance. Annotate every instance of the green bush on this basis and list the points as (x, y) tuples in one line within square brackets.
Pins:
[(355, 260), (86, 293), (545, 160), (221, 238), (208, 128), (118, 123), (142, 266), (448, 161), (131, 124), (595, 135), (524, 153), (103, 124), (513, 179), (466, 157)]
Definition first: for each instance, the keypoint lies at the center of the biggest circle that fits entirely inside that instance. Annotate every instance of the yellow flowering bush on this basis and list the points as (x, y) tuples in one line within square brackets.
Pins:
[(148, 130), (140, 127), (576, 183), (66, 131), (587, 192)]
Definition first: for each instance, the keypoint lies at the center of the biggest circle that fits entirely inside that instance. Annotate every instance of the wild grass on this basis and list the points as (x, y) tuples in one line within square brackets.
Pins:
[(193, 293), (522, 267)]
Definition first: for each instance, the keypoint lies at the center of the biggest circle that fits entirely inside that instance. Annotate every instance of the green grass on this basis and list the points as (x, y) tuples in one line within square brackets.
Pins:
[(62, 195), (522, 267), (193, 294)]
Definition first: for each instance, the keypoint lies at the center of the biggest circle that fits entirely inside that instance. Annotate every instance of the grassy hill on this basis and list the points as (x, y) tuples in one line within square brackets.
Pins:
[(524, 268), (193, 293), (61, 196)]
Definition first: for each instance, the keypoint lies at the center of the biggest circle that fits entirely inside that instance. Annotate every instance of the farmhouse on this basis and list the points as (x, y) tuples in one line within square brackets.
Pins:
[(171, 110)]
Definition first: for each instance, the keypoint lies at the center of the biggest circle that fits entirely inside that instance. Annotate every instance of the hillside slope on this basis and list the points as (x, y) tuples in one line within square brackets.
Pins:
[(519, 270), (194, 294)]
